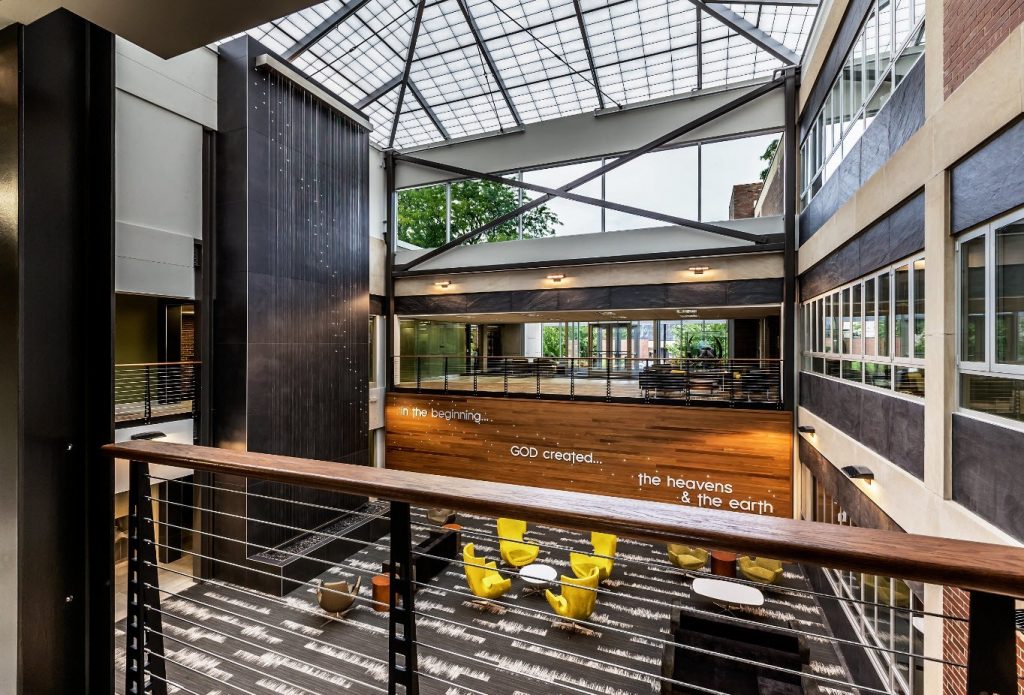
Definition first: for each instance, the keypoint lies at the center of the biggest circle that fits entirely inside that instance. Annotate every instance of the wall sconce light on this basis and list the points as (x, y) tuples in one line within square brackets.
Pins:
[(862, 472), (698, 269), (556, 277), (443, 284), (806, 429)]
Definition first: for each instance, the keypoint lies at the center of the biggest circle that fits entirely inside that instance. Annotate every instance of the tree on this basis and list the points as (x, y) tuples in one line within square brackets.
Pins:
[(688, 337), (553, 338), (421, 214), (768, 155)]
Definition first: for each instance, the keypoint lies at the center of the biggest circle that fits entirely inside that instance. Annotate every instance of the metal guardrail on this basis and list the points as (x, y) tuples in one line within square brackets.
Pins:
[(150, 392), (653, 626), (735, 382)]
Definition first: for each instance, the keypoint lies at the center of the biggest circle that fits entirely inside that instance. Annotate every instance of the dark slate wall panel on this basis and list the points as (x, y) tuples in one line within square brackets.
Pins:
[(291, 320), (900, 118), (891, 426), (684, 294), (893, 237), (987, 476), (990, 181)]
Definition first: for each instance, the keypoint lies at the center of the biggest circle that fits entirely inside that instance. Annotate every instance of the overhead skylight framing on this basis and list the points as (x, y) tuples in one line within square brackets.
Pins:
[(488, 66)]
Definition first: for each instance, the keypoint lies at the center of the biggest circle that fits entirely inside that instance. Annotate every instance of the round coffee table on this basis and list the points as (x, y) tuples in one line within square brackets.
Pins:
[(538, 577), (728, 594)]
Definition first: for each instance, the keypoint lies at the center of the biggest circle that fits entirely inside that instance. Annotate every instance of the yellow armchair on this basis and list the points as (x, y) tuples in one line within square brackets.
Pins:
[(513, 550), (576, 602), (604, 545), (687, 557), (483, 577), (760, 569)]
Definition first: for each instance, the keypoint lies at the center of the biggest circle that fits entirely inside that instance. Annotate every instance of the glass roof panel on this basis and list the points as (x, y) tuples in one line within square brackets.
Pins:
[(641, 50)]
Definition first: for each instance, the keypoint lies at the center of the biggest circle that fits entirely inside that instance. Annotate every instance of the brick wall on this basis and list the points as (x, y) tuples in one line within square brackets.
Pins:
[(971, 30), (954, 644), (744, 198)]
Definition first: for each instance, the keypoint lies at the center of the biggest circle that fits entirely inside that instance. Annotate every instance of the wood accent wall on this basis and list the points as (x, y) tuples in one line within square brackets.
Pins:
[(743, 458)]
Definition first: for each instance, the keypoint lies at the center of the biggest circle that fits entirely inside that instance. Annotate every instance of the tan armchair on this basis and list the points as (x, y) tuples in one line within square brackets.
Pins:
[(760, 569), (337, 598), (687, 557)]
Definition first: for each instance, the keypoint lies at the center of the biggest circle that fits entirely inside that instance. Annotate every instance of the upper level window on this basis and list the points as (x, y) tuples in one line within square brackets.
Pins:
[(990, 331), (871, 72), (871, 331)]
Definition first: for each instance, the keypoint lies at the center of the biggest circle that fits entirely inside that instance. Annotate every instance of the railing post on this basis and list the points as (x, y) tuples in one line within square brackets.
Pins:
[(419, 361), (536, 368), (196, 386), (991, 645), (144, 649), (476, 374), (446, 375), (608, 379), (147, 405), (572, 378), (504, 369), (401, 618)]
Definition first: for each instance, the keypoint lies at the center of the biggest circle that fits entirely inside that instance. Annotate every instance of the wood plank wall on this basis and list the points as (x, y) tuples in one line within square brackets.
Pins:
[(742, 458)]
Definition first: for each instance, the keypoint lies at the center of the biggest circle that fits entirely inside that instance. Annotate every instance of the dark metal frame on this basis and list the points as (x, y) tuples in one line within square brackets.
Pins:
[(789, 196), (413, 37), (402, 669), (324, 28), (482, 47), (590, 54), (555, 192), (743, 27), (625, 158)]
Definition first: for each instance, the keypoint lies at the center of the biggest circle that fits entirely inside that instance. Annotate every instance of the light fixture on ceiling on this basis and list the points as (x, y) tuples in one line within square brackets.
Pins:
[(556, 277), (698, 269), (443, 284), (862, 472), (686, 312), (806, 429)]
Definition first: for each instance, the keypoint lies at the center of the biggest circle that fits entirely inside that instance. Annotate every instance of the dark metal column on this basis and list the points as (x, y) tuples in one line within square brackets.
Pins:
[(391, 237), (789, 308), (991, 645), (401, 618)]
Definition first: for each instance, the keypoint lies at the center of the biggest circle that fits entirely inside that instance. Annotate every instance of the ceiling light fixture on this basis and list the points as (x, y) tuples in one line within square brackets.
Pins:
[(862, 472), (698, 269), (556, 277), (443, 284)]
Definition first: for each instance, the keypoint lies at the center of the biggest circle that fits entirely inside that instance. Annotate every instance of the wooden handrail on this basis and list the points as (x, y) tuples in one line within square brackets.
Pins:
[(158, 364), (977, 566)]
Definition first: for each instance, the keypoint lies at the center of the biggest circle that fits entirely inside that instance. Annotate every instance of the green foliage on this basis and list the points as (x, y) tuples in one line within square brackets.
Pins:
[(421, 214), (553, 339), (689, 337), (768, 155)]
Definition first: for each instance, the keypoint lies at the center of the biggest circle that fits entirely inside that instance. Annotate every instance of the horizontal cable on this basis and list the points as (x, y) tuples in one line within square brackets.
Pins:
[(288, 527), (309, 610), (250, 569), (450, 683), (599, 627), (275, 499), (179, 686), (193, 669), (260, 622), (265, 648), (221, 657), (327, 563)]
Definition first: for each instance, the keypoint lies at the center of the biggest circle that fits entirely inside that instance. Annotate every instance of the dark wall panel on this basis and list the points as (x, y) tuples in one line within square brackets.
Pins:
[(990, 181), (291, 317), (900, 118), (987, 472), (895, 236), (891, 426), (684, 294)]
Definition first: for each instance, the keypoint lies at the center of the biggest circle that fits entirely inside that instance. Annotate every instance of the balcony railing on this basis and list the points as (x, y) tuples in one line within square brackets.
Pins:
[(737, 382), (395, 613), (154, 391)]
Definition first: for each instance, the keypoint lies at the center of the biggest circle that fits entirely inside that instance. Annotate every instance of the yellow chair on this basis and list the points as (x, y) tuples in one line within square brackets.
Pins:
[(604, 551), (687, 557), (576, 602), (483, 577), (760, 569), (513, 550)]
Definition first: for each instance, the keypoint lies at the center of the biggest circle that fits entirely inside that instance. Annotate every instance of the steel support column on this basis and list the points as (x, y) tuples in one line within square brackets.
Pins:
[(789, 196)]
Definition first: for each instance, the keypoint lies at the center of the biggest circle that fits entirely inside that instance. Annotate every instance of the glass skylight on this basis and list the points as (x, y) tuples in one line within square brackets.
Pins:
[(641, 50)]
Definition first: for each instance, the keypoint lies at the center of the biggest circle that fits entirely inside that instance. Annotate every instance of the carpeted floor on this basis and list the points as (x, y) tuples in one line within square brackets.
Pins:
[(224, 639)]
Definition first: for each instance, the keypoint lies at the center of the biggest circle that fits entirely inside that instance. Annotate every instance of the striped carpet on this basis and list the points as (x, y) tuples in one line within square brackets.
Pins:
[(222, 639)]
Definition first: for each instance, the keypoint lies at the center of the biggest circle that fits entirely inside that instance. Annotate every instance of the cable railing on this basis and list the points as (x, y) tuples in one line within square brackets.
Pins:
[(476, 587), (154, 391), (688, 381)]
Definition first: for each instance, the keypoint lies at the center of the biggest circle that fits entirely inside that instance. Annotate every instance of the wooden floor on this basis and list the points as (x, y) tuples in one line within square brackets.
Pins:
[(224, 639)]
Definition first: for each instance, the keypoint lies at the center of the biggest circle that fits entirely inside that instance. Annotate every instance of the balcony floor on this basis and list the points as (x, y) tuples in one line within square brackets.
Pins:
[(467, 654)]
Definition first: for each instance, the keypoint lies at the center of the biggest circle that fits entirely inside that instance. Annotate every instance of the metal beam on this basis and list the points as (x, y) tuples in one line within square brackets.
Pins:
[(417, 23), (379, 92), (759, 37), (429, 111), (619, 207), (590, 54), (600, 171), (324, 28), (479, 39), (776, 3)]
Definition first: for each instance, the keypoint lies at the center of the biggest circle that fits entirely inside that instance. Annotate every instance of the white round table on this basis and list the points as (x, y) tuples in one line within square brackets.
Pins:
[(728, 593), (538, 574)]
